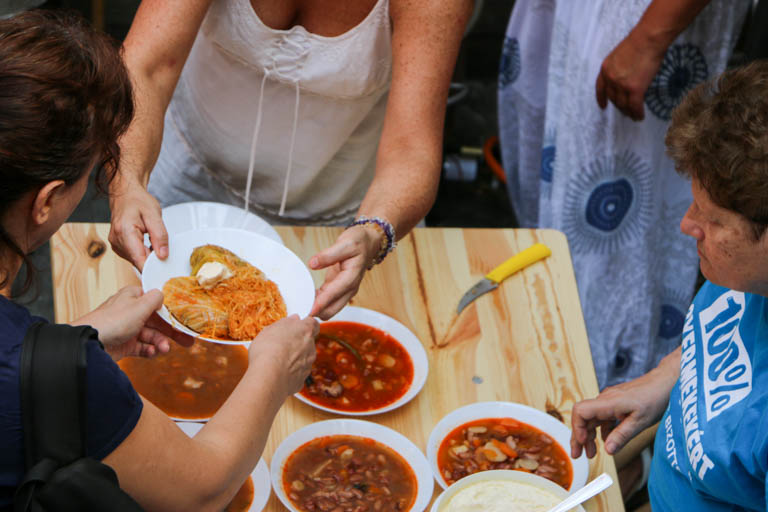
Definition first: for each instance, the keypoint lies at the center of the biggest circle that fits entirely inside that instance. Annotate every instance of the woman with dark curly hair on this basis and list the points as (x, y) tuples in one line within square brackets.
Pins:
[(65, 99)]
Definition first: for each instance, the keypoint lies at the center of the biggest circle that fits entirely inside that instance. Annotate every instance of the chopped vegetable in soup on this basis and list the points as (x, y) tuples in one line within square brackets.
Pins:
[(358, 368), (189, 383), (348, 474), (502, 443), (243, 499)]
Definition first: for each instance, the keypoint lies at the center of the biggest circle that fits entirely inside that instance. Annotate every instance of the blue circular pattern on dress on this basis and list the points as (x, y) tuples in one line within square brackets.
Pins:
[(671, 323), (622, 361), (509, 68), (547, 163), (683, 68), (609, 203)]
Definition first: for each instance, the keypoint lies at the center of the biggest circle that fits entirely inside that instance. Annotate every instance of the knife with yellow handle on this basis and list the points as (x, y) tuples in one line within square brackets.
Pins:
[(492, 280)]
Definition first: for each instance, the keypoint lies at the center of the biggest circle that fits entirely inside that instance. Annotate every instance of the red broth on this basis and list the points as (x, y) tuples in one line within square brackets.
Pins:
[(348, 474), (243, 499), (502, 443), (341, 380)]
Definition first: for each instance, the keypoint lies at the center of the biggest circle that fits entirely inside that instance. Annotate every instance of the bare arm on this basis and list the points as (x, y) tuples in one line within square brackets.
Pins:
[(156, 49), (426, 36), (425, 43), (163, 469), (629, 69), (663, 21)]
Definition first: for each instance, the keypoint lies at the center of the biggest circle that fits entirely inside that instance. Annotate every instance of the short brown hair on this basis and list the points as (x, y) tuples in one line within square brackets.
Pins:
[(65, 99), (719, 136)]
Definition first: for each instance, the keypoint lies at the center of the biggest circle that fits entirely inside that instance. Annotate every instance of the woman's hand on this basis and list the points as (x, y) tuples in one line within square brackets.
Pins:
[(346, 261), (128, 324), (135, 212), (289, 343), (629, 69), (624, 410), (627, 72)]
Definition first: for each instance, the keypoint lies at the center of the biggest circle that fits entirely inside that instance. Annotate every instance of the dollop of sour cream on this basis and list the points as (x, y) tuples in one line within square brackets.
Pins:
[(212, 273)]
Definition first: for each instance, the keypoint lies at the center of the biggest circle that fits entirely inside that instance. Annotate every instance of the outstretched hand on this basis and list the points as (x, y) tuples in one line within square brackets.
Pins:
[(621, 412), (346, 261), (626, 74), (129, 325)]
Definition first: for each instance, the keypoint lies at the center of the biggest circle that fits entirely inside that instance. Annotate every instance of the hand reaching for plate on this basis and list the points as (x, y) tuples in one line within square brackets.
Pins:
[(288, 343), (128, 324), (346, 261)]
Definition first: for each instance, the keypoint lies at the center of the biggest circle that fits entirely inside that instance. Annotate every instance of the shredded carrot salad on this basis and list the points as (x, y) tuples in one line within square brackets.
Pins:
[(236, 308)]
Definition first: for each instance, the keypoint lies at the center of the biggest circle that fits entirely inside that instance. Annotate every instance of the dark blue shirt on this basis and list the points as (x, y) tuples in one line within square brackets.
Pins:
[(113, 406)]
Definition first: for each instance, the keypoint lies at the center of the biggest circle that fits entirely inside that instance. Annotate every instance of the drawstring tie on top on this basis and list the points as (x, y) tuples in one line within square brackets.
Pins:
[(300, 52)]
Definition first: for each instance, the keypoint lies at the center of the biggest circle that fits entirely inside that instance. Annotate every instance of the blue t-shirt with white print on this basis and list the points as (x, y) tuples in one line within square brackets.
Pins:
[(711, 450)]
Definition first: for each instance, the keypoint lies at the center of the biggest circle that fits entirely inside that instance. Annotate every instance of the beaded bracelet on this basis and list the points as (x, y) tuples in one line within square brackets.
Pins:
[(388, 242)]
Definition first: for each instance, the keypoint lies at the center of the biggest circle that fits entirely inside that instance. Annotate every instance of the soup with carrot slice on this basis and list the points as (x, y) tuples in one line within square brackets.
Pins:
[(348, 474), (502, 443), (188, 383), (243, 499), (358, 368)]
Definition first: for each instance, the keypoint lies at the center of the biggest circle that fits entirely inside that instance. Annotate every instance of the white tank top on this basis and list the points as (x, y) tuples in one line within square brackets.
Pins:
[(310, 107)]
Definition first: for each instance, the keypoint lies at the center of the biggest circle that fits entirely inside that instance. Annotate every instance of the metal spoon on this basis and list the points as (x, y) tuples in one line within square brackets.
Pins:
[(594, 487)]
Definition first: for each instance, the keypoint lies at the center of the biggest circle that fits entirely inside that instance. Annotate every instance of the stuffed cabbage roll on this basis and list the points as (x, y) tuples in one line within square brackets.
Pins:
[(192, 306), (213, 253)]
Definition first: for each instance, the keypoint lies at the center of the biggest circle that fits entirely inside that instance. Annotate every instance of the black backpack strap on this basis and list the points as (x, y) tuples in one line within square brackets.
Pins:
[(53, 409), (53, 366), (84, 486)]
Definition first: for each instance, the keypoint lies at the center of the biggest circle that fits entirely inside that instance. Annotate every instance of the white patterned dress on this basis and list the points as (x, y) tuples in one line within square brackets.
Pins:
[(601, 178)]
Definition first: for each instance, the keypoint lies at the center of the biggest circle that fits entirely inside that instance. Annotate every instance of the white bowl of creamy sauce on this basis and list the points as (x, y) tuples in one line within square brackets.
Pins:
[(501, 491)]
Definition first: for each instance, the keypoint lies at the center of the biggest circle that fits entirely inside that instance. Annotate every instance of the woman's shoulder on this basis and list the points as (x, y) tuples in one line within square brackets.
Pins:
[(15, 319)]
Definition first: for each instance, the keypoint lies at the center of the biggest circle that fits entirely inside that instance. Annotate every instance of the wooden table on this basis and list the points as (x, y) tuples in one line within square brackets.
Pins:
[(525, 342)]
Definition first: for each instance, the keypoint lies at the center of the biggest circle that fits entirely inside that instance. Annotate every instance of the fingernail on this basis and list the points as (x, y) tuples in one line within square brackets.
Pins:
[(313, 262), (610, 446)]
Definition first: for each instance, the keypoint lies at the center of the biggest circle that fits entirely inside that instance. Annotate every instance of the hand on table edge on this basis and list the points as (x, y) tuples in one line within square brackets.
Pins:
[(346, 262), (128, 325), (624, 410)]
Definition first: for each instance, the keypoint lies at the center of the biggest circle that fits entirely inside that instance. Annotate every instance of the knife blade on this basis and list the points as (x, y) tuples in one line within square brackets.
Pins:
[(493, 278)]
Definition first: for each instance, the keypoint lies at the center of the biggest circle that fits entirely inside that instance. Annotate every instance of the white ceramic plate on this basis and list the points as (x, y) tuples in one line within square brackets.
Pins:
[(182, 217), (260, 475), (384, 435), (276, 261), (402, 334), (519, 412), (501, 474)]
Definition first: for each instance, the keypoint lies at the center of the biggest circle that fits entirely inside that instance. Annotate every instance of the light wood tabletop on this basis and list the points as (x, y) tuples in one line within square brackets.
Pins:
[(524, 342)]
